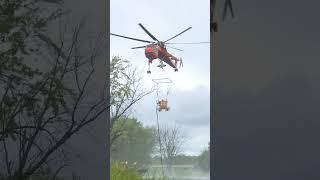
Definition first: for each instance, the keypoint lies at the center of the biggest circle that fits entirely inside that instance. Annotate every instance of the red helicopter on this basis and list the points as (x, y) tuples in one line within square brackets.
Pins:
[(157, 49)]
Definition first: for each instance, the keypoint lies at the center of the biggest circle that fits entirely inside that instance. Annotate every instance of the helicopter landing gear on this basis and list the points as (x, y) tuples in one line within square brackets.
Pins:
[(175, 70), (149, 72), (161, 65)]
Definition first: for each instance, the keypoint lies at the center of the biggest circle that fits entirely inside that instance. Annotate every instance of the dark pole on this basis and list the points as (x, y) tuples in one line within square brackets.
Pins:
[(213, 42), (213, 30)]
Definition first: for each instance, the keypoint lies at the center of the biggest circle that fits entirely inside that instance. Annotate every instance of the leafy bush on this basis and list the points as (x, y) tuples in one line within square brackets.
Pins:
[(120, 171), (134, 143)]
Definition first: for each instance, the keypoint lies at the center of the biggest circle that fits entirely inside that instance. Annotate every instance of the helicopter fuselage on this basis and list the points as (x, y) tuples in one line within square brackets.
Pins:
[(155, 51)]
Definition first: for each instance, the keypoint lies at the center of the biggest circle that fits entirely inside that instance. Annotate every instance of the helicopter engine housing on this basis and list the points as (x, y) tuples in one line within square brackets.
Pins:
[(151, 52)]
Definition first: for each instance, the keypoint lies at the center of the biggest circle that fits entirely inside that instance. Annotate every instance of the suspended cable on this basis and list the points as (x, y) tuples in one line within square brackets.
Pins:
[(161, 81), (159, 139)]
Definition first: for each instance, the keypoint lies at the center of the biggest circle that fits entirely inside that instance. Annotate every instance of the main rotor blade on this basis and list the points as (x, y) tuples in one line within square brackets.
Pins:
[(145, 30), (175, 48), (190, 43), (227, 4), (178, 34), (132, 38), (138, 47)]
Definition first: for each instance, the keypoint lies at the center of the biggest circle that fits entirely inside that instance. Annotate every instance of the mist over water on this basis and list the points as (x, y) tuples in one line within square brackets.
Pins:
[(179, 172)]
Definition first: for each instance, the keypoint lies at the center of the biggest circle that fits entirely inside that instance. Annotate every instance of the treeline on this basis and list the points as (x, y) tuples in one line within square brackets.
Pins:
[(178, 160), (136, 147), (202, 161)]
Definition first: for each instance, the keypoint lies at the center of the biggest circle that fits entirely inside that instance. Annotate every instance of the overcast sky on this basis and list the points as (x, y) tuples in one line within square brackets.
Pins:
[(190, 91)]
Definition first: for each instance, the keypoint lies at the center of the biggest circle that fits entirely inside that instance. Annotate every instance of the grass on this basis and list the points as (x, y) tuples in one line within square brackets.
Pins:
[(178, 172), (121, 171)]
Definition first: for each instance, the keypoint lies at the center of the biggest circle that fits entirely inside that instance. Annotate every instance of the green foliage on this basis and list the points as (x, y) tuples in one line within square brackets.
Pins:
[(119, 88), (21, 22), (125, 89), (120, 171), (23, 84), (134, 142)]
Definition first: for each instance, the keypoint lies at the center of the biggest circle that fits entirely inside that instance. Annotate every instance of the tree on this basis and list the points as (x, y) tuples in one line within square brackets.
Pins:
[(169, 144), (135, 143), (22, 28), (125, 89), (203, 161), (43, 104), (121, 171)]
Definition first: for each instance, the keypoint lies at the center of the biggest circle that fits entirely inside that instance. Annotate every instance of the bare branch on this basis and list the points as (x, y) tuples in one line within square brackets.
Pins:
[(170, 139), (44, 132)]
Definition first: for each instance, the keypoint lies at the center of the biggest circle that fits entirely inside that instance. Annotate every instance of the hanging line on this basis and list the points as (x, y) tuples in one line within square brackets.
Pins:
[(168, 89), (157, 91), (160, 144), (163, 84)]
